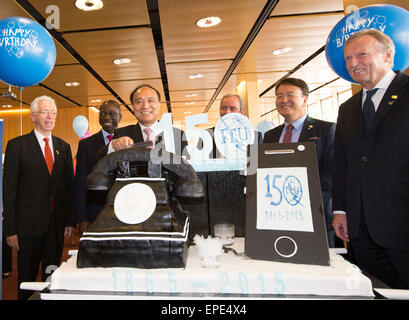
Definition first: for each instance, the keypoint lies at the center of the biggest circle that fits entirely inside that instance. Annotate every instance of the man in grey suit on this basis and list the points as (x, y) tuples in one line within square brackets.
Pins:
[(371, 161), (291, 101)]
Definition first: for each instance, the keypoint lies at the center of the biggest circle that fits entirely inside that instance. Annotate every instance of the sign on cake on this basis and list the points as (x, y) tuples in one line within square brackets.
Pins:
[(283, 199), (232, 134)]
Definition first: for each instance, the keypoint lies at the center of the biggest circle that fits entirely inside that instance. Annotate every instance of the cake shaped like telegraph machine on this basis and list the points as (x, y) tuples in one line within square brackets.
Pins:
[(142, 224)]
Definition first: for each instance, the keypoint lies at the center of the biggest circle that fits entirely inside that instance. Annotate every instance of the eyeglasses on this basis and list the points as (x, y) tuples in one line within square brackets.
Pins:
[(110, 113), (231, 108), (53, 113), (288, 95)]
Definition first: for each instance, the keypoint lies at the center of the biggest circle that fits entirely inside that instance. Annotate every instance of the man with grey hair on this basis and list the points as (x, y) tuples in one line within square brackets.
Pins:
[(37, 195), (231, 103), (371, 161)]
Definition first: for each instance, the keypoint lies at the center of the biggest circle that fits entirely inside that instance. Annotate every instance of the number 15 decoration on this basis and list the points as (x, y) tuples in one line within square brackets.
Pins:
[(284, 216)]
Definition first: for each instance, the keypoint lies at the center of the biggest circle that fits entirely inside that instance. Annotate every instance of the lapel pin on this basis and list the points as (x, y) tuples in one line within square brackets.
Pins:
[(57, 152), (310, 127), (394, 97)]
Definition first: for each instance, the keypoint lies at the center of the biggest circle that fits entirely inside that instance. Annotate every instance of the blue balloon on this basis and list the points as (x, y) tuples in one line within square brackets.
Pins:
[(264, 126), (80, 125), (389, 19), (27, 52)]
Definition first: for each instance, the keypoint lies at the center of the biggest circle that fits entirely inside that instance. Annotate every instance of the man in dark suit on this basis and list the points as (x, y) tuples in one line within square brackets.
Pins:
[(145, 100), (88, 204), (230, 103), (371, 161), (37, 195), (291, 102)]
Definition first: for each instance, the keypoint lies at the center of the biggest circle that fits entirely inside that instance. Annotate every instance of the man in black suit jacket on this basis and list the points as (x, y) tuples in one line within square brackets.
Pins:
[(230, 103), (38, 208), (291, 101), (371, 161), (145, 100), (88, 204)]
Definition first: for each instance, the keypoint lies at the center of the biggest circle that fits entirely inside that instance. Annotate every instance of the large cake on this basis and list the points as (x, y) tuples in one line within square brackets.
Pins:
[(236, 275), (153, 257)]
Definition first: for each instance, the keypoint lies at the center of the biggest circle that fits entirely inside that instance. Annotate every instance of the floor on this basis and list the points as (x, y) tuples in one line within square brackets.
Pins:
[(9, 289)]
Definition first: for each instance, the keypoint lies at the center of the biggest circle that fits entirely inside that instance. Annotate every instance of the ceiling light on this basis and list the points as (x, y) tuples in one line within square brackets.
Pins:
[(122, 61), (277, 52), (72, 84), (6, 105), (187, 112), (95, 100), (195, 76), (191, 95), (208, 22), (89, 5), (189, 103)]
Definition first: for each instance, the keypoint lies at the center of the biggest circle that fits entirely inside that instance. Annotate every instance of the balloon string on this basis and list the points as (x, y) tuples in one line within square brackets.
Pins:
[(21, 111)]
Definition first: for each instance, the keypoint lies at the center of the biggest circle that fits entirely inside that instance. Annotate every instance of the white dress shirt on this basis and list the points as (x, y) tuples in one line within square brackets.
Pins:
[(41, 141)]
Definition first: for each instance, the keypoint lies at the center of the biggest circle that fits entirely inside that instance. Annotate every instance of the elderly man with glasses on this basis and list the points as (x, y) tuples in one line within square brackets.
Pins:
[(37, 195)]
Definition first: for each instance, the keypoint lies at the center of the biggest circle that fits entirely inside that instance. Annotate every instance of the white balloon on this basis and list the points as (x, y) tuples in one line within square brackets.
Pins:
[(80, 125)]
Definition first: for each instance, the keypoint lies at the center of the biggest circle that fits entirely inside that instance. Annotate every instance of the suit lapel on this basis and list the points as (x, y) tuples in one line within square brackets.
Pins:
[(137, 133), (391, 96), (57, 155), (355, 106), (277, 133), (37, 152), (306, 129), (100, 141)]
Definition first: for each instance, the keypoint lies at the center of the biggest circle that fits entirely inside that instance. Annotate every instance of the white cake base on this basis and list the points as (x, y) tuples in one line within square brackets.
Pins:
[(235, 275)]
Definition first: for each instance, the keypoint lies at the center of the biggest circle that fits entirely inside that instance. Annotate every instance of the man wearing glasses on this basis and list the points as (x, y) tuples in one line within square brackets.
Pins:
[(37, 195), (291, 102), (88, 204)]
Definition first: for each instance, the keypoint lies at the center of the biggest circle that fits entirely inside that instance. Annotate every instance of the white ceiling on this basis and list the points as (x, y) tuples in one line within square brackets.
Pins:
[(122, 28)]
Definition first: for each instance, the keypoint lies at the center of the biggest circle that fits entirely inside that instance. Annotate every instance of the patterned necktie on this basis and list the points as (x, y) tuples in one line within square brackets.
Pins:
[(148, 132), (110, 136), (49, 161), (48, 156), (368, 109), (288, 134)]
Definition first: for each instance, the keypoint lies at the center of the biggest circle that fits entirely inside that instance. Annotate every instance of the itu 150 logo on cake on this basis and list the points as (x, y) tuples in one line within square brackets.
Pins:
[(232, 134)]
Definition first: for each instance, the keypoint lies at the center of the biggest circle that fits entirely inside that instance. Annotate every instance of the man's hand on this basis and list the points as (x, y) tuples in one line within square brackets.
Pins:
[(68, 231), (12, 241), (122, 143), (340, 226)]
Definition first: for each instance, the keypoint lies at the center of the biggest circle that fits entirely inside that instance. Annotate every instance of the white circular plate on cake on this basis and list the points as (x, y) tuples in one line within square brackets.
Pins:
[(134, 203)]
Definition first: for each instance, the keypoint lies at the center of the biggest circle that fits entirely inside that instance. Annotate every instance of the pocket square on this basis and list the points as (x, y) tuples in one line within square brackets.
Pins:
[(314, 138)]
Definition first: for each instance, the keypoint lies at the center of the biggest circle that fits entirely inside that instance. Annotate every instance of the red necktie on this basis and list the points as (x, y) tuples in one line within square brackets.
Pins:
[(148, 132), (110, 136), (288, 134), (49, 161)]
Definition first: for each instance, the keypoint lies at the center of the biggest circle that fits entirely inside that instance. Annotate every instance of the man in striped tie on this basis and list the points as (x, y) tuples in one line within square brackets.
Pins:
[(37, 195)]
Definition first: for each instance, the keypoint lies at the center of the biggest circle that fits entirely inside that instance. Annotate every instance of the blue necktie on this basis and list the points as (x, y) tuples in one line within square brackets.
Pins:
[(368, 109)]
